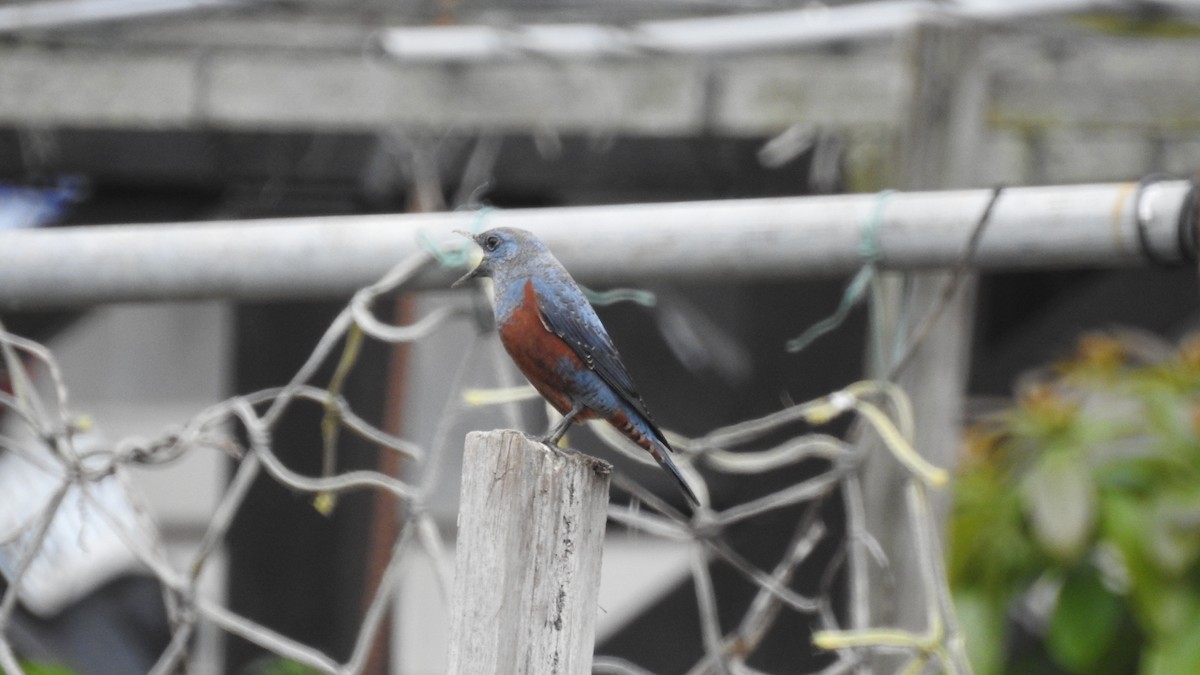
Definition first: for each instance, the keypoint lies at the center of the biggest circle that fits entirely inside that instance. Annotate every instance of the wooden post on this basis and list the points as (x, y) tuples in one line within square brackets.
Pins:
[(939, 145), (531, 526)]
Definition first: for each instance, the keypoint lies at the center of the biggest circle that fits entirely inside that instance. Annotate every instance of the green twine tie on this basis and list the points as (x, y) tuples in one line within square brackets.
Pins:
[(611, 297), (869, 248), (454, 253)]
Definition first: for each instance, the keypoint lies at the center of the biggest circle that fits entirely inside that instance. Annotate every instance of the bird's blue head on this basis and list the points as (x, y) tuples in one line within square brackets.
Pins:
[(503, 247)]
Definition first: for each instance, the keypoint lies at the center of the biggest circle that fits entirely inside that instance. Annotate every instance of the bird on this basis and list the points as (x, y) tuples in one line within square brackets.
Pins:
[(554, 336)]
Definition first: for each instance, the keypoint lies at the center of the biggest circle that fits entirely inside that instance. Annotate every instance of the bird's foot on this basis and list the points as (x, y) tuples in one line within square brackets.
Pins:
[(535, 438), (566, 453), (551, 442)]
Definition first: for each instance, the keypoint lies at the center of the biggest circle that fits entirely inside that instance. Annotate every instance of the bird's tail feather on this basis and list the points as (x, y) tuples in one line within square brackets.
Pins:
[(664, 460)]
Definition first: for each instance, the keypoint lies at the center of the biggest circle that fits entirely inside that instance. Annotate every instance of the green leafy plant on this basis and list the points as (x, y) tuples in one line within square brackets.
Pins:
[(1079, 510)]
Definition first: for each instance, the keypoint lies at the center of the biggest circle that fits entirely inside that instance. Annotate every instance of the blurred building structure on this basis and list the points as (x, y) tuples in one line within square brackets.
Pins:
[(173, 111)]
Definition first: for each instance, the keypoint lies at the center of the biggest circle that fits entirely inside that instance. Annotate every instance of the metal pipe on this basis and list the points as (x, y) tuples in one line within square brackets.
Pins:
[(779, 238), (731, 33), (56, 14)]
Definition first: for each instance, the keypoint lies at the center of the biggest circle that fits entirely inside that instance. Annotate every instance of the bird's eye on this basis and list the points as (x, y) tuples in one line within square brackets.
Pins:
[(491, 243)]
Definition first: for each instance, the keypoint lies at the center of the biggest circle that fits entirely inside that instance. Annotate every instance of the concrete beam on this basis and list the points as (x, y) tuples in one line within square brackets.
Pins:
[(216, 79), (330, 91)]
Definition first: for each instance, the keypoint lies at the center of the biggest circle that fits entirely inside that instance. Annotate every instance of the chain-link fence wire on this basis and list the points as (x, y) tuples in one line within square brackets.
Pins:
[(879, 406)]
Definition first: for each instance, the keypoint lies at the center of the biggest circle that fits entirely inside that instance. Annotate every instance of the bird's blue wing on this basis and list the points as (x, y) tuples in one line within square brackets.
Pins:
[(567, 313)]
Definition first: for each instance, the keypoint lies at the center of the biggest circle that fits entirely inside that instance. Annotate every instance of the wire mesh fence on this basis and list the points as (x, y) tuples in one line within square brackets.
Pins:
[(79, 473)]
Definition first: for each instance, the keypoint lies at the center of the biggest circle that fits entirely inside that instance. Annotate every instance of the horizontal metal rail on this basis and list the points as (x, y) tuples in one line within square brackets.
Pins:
[(1107, 225), (724, 34)]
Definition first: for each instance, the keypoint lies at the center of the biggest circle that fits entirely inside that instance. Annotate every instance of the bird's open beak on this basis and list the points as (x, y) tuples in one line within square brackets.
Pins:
[(465, 278), (469, 275)]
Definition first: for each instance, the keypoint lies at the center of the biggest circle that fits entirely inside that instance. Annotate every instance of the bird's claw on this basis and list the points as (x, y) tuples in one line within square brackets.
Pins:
[(550, 442)]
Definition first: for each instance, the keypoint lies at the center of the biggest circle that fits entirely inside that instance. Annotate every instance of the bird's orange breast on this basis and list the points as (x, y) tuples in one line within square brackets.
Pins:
[(543, 357)]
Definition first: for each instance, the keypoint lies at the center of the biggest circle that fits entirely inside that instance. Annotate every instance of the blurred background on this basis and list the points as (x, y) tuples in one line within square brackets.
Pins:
[(181, 111)]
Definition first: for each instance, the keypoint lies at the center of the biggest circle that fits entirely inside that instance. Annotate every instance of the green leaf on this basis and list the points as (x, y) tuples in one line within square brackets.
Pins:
[(1084, 622), (1134, 476), (1060, 500), (279, 666), (1173, 541), (981, 620), (1177, 655), (34, 668)]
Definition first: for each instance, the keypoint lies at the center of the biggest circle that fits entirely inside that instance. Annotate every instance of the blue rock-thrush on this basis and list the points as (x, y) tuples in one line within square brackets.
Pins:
[(555, 338)]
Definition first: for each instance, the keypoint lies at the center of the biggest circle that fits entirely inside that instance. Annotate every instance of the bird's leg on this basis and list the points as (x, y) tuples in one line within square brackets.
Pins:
[(556, 433)]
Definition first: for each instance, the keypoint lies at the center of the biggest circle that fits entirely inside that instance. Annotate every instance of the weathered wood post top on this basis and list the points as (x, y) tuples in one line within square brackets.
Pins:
[(530, 533)]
